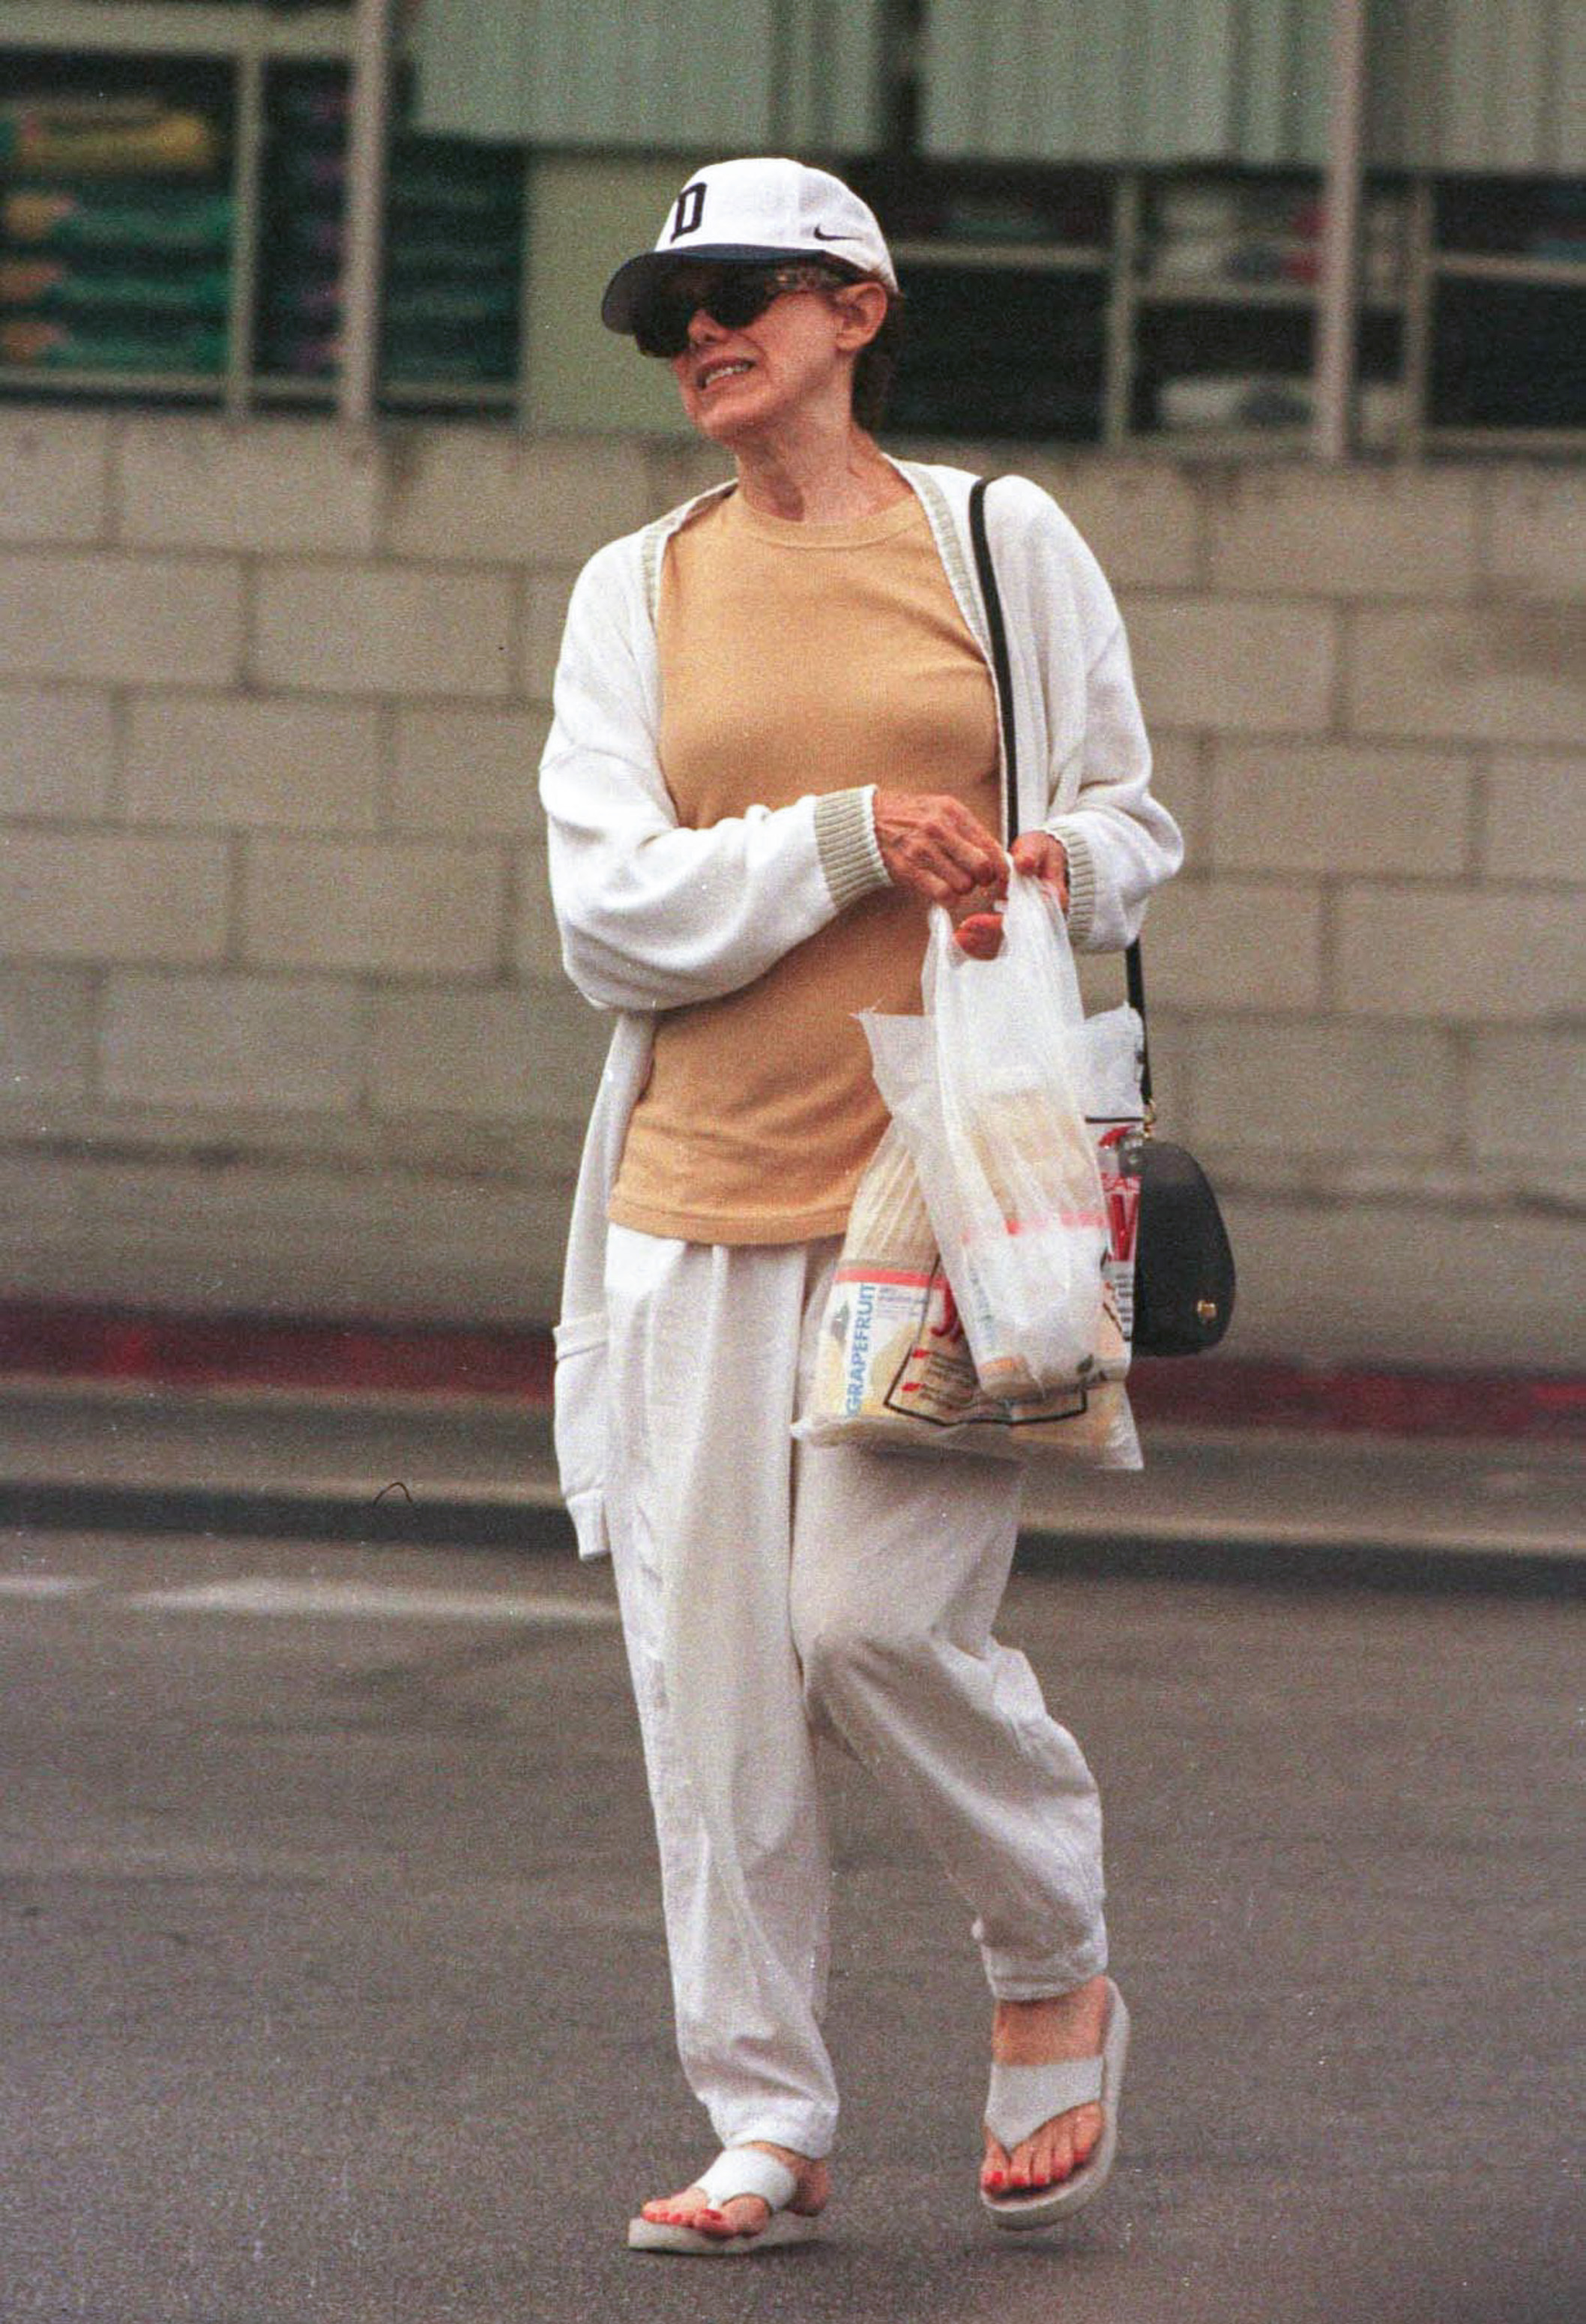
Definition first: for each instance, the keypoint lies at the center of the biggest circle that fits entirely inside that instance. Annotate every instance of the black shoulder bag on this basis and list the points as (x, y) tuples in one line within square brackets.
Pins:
[(1184, 1277)]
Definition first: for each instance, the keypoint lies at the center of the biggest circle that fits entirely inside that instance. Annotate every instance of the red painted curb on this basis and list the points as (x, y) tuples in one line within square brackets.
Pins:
[(43, 1340), (94, 1343), (1212, 1392)]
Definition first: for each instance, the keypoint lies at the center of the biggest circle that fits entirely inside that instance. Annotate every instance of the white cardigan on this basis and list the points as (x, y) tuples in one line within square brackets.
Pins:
[(652, 914)]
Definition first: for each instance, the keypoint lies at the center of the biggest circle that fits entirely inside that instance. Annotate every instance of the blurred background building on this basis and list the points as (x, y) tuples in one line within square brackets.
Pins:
[(307, 420)]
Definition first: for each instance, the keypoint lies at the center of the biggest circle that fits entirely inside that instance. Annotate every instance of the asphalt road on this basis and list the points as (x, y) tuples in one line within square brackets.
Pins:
[(332, 1988)]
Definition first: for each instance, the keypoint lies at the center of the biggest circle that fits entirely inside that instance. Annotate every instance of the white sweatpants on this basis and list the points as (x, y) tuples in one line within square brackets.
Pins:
[(770, 1590)]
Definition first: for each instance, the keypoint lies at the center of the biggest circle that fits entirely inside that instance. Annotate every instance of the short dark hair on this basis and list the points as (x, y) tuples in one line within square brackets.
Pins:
[(876, 364)]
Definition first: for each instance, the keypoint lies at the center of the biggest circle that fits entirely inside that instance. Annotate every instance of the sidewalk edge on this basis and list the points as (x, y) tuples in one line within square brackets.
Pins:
[(529, 1518)]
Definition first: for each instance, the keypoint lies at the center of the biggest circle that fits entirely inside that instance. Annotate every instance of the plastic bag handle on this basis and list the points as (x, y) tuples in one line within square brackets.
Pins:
[(1134, 966)]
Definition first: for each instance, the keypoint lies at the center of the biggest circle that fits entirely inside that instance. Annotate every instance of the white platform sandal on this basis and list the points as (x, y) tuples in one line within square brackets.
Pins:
[(739, 2170), (1022, 2098)]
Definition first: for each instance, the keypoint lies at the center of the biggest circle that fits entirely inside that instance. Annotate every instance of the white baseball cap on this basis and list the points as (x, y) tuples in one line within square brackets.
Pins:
[(755, 212)]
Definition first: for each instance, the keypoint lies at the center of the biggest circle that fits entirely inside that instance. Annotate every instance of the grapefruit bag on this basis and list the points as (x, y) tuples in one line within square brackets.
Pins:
[(990, 1104), (893, 1366)]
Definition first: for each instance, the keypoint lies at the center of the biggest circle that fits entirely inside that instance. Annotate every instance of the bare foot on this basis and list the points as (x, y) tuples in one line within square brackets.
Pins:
[(1034, 2034), (745, 2215)]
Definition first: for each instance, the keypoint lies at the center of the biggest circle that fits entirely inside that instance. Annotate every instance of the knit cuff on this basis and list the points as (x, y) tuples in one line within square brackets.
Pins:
[(845, 841), (1082, 882)]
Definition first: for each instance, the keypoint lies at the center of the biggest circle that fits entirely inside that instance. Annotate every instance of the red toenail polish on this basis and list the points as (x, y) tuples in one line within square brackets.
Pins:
[(996, 2179)]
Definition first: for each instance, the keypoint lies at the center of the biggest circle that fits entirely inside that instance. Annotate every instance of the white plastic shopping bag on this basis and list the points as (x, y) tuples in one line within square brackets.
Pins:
[(893, 1368), (989, 1102)]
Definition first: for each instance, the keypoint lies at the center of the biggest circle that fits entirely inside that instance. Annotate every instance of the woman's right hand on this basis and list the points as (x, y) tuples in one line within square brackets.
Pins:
[(933, 845)]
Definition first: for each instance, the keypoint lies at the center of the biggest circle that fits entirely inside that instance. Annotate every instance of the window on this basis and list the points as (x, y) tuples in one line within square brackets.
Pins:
[(1107, 213)]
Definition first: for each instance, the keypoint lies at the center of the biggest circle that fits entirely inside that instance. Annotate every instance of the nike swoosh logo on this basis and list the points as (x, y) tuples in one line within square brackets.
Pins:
[(828, 237)]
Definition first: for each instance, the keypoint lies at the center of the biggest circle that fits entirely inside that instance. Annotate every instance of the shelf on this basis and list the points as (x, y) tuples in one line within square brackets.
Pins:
[(1220, 443), (135, 28), (293, 387), (462, 395), (1015, 257), (1549, 442), (1195, 291), (34, 377), (487, 395), (1463, 267)]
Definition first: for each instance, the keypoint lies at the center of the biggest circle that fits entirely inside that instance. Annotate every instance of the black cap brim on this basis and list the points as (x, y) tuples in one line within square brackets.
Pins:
[(631, 283)]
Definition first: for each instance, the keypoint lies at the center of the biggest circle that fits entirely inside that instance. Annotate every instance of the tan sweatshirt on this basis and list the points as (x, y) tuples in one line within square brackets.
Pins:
[(797, 658)]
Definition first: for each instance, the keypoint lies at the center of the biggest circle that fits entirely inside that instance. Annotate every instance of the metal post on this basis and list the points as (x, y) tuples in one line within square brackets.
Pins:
[(1339, 288), (1420, 236), (1122, 313), (365, 212), (528, 286), (246, 177)]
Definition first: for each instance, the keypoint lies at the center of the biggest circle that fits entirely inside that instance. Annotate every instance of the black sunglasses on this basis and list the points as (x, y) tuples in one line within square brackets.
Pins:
[(733, 296)]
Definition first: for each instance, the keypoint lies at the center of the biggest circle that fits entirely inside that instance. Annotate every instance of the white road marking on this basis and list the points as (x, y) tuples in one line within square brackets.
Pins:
[(262, 1595), (45, 1585)]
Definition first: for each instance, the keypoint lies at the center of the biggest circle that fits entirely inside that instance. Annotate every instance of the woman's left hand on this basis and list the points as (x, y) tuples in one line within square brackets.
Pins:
[(1039, 856)]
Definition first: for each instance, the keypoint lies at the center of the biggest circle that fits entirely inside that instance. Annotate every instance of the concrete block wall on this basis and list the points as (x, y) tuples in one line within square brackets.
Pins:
[(282, 1022)]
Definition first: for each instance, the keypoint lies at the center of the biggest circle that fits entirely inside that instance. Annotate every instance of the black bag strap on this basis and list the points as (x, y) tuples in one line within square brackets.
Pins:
[(1134, 966), (992, 598)]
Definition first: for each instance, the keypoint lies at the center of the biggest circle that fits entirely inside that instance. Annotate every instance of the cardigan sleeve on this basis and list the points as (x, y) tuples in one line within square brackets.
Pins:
[(653, 914), (1122, 840)]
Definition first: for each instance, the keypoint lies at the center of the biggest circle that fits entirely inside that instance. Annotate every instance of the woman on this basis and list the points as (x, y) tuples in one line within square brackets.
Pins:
[(775, 744)]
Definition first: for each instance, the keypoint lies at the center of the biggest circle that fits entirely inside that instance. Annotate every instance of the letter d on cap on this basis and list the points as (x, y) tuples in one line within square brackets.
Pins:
[(690, 209)]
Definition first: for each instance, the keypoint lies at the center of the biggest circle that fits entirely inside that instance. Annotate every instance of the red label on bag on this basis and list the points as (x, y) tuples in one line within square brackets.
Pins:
[(1121, 1194)]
